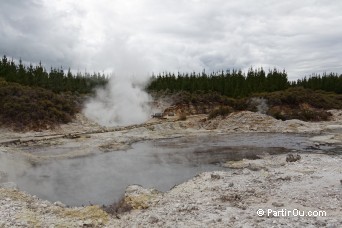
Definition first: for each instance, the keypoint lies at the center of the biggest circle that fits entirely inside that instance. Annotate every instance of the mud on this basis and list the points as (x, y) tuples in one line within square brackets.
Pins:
[(227, 198)]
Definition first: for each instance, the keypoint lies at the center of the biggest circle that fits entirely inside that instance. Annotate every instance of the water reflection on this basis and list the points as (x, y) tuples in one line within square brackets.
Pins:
[(102, 178)]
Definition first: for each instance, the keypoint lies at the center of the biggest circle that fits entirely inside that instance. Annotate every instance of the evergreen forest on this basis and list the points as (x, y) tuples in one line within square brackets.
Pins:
[(56, 80), (31, 98), (231, 83), (237, 84)]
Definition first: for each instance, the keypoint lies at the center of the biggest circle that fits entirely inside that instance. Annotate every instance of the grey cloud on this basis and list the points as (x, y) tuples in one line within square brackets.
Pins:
[(149, 35), (32, 33)]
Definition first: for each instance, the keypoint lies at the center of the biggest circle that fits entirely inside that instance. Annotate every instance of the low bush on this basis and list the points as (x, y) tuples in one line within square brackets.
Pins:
[(292, 103), (298, 95), (301, 113), (221, 111), (182, 117), (302, 104), (32, 108)]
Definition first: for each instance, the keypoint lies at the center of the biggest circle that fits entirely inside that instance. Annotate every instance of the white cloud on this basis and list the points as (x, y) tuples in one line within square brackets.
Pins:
[(142, 36)]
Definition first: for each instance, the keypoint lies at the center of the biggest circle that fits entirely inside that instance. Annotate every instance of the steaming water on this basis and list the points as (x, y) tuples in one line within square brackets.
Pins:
[(103, 177), (122, 102)]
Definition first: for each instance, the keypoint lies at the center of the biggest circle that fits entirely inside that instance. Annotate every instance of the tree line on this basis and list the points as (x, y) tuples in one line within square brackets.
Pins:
[(229, 83), (237, 84), (331, 82), (56, 80), (232, 83)]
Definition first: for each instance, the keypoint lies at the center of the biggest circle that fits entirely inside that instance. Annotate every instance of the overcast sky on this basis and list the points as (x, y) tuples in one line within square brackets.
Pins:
[(144, 36)]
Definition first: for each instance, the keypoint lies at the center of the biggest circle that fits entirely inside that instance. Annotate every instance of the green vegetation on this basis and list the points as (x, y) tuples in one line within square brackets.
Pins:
[(236, 84), (296, 96), (232, 84), (212, 99), (328, 82), (27, 108), (56, 80), (303, 104), (33, 99), (292, 103), (307, 99), (221, 111)]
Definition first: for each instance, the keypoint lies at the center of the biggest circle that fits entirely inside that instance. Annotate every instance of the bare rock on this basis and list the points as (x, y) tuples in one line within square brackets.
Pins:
[(87, 222), (293, 158), (71, 136), (138, 197), (256, 167), (153, 219), (277, 204), (245, 164), (236, 164), (246, 171), (284, 178), (59, 204), (215, 176)]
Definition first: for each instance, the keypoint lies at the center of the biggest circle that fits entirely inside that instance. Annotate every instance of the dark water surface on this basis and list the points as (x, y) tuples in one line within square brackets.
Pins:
[(103, 177)]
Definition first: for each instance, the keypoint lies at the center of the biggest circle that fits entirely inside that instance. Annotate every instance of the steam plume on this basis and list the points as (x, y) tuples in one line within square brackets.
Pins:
[(122, 102)]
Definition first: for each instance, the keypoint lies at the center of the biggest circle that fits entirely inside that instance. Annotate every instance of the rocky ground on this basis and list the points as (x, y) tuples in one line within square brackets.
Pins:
[(213, 199)]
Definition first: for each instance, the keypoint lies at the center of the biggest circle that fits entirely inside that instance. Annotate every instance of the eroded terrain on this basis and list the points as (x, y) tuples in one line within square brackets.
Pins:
[(213, 199)]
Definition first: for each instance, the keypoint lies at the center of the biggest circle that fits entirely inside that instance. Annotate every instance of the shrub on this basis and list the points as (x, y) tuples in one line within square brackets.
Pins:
[(182, 117), (303, 104), (221, 111), (298, 95), (31, 108), (301, 113)]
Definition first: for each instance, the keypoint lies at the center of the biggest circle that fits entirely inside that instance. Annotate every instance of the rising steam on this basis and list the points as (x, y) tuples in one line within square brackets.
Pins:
[(122, 102)]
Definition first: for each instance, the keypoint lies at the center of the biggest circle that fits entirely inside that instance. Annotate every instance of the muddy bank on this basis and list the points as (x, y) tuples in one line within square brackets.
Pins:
[(85, 135), (224, 199), (161, 164), (213, 199)]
